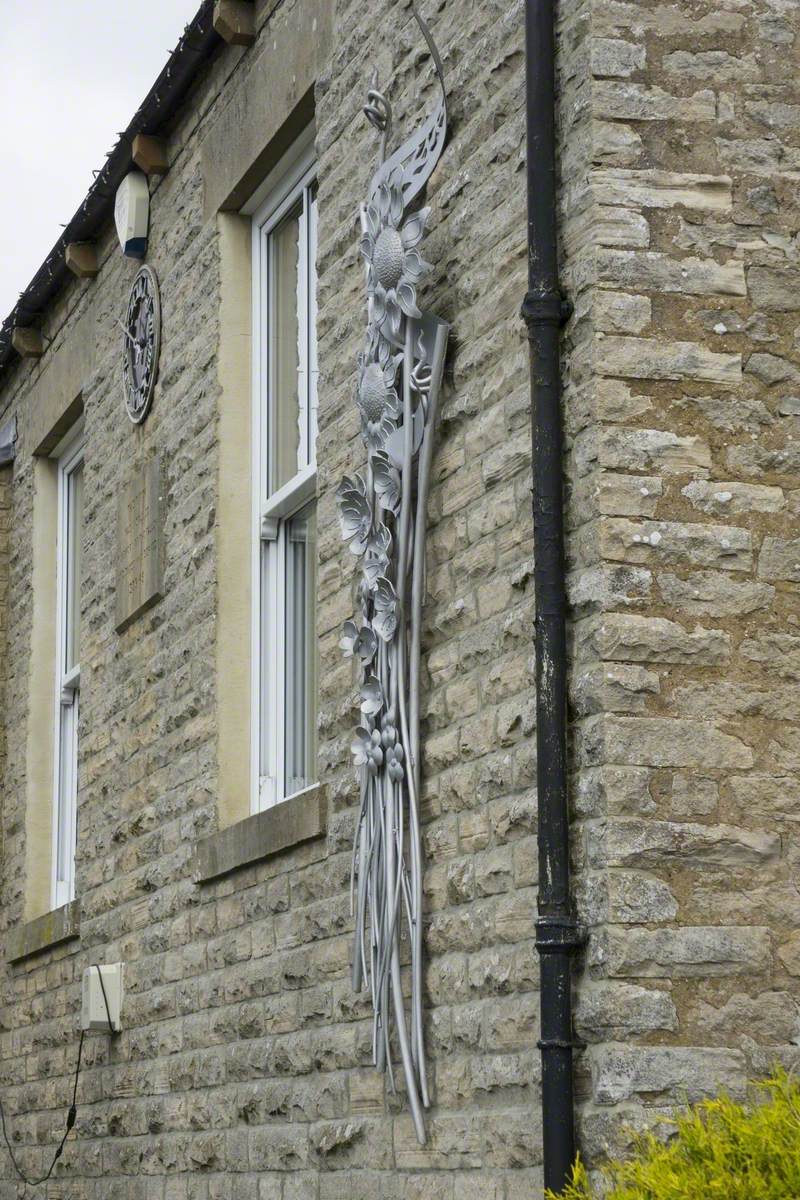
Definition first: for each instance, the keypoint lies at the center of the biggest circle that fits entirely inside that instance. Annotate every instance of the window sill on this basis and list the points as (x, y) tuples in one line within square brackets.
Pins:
[(290, 823), (51, 929)]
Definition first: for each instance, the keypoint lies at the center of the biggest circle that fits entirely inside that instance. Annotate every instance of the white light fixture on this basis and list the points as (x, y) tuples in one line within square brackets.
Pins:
[(132, 214)]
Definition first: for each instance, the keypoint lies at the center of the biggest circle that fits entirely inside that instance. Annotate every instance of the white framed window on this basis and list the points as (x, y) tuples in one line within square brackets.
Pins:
[(69, 543), (284, 693)]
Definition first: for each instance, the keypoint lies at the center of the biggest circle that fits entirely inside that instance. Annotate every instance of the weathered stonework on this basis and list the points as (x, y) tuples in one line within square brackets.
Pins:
[(243, 1068), (5, 523), (679, 237)]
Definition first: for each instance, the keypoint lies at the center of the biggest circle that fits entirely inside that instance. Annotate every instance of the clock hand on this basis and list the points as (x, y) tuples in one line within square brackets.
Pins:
[(125, 331)]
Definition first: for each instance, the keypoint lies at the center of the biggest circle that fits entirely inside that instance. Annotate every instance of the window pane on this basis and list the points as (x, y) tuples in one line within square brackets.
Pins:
[(74, 567), (67, 795), (285, 356), (265, 670), (301, 650), (313, 366)]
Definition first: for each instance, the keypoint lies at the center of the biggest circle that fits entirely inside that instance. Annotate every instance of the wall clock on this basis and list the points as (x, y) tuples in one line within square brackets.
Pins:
[(142, 329)]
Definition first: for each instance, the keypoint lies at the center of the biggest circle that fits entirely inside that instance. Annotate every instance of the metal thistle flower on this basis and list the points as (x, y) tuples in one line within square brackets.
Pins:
[(395, 265), (376, 396)]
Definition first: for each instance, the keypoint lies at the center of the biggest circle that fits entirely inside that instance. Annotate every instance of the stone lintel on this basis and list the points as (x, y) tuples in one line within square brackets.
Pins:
[(288, 824), (51, 929), (150, 154), (277, 93)]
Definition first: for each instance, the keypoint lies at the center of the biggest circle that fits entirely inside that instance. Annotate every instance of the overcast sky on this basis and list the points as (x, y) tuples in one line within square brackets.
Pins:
[(74, 72)]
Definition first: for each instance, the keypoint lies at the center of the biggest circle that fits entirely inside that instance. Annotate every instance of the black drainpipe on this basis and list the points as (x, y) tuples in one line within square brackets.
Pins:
[(545, 310)]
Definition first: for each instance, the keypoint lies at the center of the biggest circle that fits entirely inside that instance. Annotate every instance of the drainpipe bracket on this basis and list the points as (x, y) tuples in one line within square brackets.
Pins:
[(546, 308), (559, 1044), (559, 935)]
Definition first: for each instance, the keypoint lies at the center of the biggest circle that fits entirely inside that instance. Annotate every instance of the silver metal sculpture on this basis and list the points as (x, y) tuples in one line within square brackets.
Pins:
[(383, 518)]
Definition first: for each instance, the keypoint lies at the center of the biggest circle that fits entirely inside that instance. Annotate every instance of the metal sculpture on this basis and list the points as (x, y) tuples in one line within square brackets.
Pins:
[(383, 518)]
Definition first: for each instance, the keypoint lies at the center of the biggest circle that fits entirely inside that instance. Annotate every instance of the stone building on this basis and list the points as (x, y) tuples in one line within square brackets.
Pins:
[(243, 1067)]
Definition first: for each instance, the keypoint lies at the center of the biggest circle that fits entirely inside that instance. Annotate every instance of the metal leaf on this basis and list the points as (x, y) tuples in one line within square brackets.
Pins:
[(396, 440)]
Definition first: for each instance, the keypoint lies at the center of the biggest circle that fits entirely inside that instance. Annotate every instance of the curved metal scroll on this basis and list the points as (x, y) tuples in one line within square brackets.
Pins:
[(382, 511), (417, 156)]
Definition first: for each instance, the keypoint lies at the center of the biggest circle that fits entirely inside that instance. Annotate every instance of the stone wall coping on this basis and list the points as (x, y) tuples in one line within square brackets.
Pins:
[(60, 925), (299, 819)]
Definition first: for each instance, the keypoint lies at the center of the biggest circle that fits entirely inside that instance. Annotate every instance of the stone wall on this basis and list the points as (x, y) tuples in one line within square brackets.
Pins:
[(243, 1069), (683, 406), (5, 520)]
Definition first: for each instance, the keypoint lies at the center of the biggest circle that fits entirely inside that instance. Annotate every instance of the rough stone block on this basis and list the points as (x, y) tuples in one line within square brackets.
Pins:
[(611, 56), (714, 593), (662, 189), (657, 1074), (661, 742), (780, 559), (645, 358), (675, 543), (613, 1011), (635, 449), (657, 843), (655, 272), (690, 952), (719, 499), (628, 637)]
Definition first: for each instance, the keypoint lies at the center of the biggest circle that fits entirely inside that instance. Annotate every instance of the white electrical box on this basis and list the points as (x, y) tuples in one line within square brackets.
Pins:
[(94, 1013)]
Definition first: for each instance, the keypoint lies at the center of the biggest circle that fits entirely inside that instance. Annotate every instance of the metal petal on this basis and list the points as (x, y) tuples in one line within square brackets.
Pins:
[(415, 266), (407, 299), (396, 203), (349, 638), (361, 744), (385, 620), (383, 201), (373, 220), (372, 696), (387, 481), (378, 305), (414, 228), (366, 644)]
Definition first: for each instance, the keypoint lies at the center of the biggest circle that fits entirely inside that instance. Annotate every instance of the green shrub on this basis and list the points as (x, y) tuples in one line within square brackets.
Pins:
[(721, 1151)]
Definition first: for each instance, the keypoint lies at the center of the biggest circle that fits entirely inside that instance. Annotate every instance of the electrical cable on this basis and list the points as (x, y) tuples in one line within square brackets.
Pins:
[(73, 1108)]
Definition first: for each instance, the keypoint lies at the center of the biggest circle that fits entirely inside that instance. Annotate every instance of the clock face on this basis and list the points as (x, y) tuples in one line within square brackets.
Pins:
[(141, 344)]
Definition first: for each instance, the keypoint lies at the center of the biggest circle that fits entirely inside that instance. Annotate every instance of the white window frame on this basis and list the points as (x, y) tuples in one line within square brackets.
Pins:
[(294, 177), (69, 455)]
